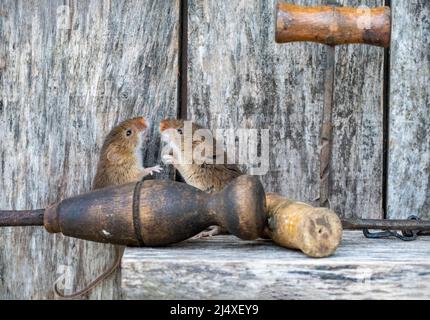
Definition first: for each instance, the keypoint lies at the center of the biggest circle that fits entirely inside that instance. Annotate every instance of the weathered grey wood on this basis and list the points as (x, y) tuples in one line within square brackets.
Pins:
[(409, 122), (228, 268), (62, 88), (356, 178), (240, 78)]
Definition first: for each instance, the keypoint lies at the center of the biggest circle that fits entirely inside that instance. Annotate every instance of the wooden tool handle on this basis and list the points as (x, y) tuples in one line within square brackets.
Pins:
[(333, 25), (317, 232), (159, 212)]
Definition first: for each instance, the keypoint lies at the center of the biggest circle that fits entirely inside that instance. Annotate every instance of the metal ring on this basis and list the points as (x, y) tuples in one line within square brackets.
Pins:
[(136, 213), (387, 234), (412, 234)]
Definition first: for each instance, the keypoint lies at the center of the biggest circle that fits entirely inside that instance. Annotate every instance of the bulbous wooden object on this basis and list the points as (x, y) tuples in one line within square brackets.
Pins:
[(317, 232), (159, 212)]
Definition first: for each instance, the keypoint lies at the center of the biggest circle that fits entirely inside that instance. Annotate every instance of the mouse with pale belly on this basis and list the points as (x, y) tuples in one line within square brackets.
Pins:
[(120, 163), (121, 155), (200, 170)]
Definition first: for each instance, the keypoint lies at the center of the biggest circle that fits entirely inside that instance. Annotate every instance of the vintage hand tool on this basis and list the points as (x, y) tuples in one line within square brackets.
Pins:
[(331, 25), (409, 229), (151, 213), (161, 212)]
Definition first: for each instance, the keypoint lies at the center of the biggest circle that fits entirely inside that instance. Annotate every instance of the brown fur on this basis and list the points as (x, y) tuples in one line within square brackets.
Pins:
[(119, 162), (206, 177)]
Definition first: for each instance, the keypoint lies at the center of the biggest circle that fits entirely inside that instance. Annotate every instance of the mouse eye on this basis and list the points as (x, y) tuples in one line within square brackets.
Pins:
[(179, 130), (129, 132)]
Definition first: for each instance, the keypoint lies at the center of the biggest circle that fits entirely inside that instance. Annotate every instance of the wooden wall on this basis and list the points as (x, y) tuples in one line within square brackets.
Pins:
[(67, 77), (62, 88), (239, 77), (356, 178), (409, 117)]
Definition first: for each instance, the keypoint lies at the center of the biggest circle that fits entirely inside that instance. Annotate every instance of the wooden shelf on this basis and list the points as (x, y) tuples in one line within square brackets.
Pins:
[(225, 267)]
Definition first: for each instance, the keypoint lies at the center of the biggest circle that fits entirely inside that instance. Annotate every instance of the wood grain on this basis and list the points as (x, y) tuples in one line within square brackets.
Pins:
[(356, 178), (228, 268), (67, 79), (240, 78), (409, 117)]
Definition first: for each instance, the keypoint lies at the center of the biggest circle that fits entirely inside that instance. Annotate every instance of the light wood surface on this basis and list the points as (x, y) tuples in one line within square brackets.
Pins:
[(226, 268)]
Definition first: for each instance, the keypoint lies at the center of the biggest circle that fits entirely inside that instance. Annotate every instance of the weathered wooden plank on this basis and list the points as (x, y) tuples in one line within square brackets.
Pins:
[(228, 268), (240, 78), (356, 178), (70, 73), (409, 118)]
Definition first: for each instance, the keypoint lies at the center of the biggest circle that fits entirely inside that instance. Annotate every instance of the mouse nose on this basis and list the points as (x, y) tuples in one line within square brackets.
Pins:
[(163, 125), (141, 123)]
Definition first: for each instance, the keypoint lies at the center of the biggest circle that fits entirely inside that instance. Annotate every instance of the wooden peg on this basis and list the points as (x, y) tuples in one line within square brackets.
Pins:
[(333, 25)]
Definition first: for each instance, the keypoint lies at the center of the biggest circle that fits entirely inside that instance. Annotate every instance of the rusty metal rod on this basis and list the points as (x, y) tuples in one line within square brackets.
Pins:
[(377, 224), (11, 218), (333, 25)]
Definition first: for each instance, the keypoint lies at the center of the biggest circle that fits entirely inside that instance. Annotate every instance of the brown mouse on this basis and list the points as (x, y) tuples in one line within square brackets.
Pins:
[(120, 163), (204, 175), (121, 155)]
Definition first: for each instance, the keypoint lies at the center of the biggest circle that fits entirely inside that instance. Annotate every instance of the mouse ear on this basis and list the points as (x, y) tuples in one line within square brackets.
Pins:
[(112, 154)]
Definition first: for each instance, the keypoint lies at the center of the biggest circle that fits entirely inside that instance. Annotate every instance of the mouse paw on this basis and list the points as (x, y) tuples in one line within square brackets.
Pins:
[(212, 231), (167, 159), (152, 170)]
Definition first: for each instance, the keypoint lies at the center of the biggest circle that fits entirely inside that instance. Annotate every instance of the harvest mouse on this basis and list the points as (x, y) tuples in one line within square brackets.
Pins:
[(120, 157), (205, 175), (120, 163)]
